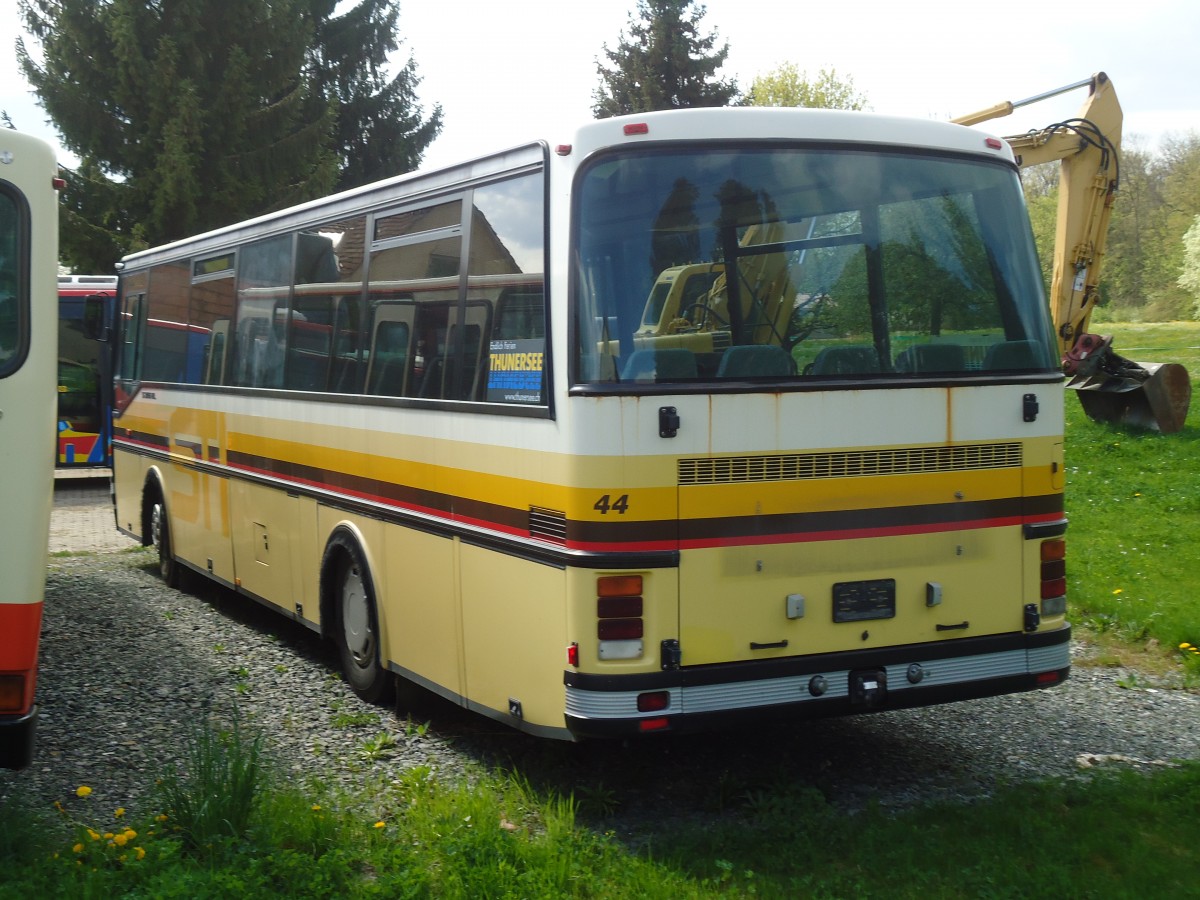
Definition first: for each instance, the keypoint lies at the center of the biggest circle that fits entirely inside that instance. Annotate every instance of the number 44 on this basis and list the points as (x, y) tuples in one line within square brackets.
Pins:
[(606, 504)]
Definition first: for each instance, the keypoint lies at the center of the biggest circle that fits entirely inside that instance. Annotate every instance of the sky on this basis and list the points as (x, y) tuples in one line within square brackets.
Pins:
[(508, 73)]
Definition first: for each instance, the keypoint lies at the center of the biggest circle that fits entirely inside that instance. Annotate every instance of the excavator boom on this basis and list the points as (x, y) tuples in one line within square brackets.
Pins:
[(1110, 387)]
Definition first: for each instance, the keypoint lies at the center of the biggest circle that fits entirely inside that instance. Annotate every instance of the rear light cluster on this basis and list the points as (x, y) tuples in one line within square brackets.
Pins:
[(620, 630), (619, 625), (1054, 577)]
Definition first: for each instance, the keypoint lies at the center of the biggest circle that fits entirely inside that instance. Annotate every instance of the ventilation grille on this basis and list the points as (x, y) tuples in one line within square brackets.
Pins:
[(849, 464), (548, 525)]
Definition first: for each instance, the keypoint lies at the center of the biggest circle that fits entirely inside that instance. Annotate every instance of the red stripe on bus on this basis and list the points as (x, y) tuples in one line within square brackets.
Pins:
[(449, 517)]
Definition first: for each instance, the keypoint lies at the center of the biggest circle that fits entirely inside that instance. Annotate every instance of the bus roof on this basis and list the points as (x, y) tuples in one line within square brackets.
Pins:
[(701, 125)]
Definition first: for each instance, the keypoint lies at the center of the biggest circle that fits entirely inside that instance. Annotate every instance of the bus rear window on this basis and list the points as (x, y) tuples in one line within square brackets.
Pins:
[(800, 264)]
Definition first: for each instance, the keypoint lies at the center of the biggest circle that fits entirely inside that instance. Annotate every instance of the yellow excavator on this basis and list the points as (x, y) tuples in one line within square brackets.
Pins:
[(1110, 387)]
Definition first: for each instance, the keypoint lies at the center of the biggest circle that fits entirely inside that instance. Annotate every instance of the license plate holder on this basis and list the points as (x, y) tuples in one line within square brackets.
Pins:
[(861, 601)]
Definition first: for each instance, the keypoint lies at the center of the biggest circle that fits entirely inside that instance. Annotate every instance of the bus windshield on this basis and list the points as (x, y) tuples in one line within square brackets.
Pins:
[(803, 264)]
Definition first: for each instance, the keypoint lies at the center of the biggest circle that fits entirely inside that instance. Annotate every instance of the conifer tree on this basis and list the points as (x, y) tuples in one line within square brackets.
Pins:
[(190, 114), (380, 129), (663, 63)]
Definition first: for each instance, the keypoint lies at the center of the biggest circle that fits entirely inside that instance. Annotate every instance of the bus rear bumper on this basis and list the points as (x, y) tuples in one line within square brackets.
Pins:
[(17, 735), (708, 698)]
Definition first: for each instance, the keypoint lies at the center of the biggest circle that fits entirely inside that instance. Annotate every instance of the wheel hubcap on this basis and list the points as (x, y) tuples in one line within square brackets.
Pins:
[(356, 619), (156, 526)]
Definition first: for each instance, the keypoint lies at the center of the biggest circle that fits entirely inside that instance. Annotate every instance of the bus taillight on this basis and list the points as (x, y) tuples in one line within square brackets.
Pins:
[(1054, 577), (619, 625)]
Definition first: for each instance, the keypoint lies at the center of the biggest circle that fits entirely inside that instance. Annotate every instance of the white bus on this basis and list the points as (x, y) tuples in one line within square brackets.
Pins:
[(28, 351), (684, 420)]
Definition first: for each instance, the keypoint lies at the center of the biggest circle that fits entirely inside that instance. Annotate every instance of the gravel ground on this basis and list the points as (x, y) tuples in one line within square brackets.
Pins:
[(128, 663)]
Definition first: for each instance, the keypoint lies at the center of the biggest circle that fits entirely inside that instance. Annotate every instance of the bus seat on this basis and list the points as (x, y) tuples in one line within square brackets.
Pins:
[(932, 358), (1012, 355), (659, 365), (755, 361), (845, 361), (387, 374)]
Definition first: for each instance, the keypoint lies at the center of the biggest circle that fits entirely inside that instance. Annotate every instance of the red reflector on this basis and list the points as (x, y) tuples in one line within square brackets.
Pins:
[(994, 143), (660, 724), (1046, 678), (573, 655), (59, 184), (619, 585), (637, 128), (619, 629), (563, 149), (618, 607), (1055, 588), (654, 701)]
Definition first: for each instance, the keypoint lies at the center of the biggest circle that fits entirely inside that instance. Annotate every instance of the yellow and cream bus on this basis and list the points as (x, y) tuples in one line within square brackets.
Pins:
[(28, 380), (690, 419)]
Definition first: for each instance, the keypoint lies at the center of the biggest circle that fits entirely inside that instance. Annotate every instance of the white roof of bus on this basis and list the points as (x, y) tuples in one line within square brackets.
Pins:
[(724, 123), (791, 124)]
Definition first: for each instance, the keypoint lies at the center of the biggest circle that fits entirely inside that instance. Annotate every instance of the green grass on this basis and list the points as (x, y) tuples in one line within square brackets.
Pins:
[(1114, 835), (1133, 499)]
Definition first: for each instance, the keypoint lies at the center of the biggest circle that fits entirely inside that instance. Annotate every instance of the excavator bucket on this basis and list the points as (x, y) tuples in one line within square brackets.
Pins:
[(1119, 391)]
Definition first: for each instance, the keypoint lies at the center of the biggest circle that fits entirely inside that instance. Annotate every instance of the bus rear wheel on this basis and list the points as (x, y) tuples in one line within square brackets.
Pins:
[(356, 623), (160, 537)]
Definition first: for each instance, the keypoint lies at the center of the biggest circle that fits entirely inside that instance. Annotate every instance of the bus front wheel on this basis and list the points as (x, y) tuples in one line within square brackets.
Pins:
[(356, 623)]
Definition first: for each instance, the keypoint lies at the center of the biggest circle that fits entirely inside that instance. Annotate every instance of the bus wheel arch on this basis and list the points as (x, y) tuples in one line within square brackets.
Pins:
[(156, 529), (348, 606)]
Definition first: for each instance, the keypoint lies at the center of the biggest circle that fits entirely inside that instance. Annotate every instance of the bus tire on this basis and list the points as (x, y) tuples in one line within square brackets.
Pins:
[(160, 537), (356, 624)]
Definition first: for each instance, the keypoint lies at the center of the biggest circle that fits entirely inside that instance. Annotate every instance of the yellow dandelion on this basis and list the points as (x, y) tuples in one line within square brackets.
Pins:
[(1119, 591), (120, 840), (161, 817), (82, 791), (78, 848), (119, 811), (130, 834), (1185, 646), (108, 835), (316, 807), (141, 854), (381, 825), (94, 835)]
